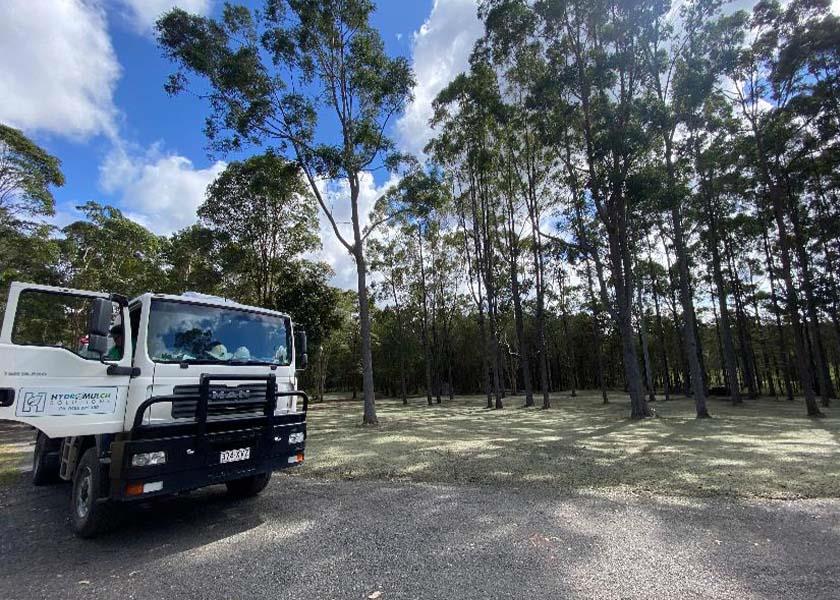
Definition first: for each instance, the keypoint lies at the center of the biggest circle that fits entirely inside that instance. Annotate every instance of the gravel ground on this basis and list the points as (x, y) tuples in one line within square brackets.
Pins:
[(307, 538)]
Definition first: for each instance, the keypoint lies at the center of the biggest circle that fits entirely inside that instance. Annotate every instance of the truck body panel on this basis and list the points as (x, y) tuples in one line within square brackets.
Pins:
[(185, 414)]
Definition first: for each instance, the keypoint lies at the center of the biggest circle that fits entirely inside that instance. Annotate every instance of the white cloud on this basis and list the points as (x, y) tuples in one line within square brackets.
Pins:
[(142, 14), (57, 67), (158, 190), (441, 50), (336, 194)]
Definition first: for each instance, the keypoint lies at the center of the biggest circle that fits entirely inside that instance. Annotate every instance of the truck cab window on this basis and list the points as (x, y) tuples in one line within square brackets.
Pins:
[(134, 317), (185, 332), (57, 320)]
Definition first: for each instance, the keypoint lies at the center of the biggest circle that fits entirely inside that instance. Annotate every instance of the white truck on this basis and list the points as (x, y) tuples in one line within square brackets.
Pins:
[(161, 394)]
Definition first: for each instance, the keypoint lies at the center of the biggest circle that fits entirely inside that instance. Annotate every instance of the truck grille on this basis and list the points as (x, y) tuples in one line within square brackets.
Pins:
[(240, 400)]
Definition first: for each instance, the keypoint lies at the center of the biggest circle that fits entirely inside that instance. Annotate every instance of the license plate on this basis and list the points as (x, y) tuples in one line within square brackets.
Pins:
[(229, 456)]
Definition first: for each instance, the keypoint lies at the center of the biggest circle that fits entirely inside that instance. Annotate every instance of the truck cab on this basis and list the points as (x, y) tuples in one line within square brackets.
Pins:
[(155, 395)]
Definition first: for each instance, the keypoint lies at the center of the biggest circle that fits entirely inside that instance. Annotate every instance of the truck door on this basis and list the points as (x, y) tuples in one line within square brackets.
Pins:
[(48, 376)]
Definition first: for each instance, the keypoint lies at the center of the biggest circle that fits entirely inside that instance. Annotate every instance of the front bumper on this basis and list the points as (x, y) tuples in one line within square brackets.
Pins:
[(193, 462), (193, 449)]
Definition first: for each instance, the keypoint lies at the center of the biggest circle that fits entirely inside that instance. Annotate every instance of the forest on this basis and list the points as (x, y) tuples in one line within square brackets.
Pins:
[(637, 197)]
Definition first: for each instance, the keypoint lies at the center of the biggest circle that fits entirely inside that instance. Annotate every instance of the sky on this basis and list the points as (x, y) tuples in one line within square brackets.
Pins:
[(90, 91), (84, 79)]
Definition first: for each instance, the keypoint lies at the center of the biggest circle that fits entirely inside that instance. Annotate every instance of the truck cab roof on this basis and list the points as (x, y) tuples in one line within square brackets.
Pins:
[(207, 300)]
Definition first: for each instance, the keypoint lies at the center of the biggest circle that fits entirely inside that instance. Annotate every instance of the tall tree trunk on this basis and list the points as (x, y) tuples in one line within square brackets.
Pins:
[(477, 274), (685, 377), (666, 380), (424, 326), (596, 334), (644, 341), (570, 346), (484, 254), (482, 327), (777, 312), (400, 329), (369, 416), (534, 212), (713, 240), (692, 348), (612, 212), (792, 301), (513, 260), (619, 261), (813, 321)]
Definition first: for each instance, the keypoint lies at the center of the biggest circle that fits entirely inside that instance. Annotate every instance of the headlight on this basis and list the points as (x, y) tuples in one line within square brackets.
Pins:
[(296, 438), (147, 459)]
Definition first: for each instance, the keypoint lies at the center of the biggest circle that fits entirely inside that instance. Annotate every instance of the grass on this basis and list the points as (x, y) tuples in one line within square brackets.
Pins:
[(764, 449), (16, 442)]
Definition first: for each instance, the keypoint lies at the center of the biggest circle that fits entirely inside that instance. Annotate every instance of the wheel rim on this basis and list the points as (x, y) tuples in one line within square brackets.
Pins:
[(84, 497)]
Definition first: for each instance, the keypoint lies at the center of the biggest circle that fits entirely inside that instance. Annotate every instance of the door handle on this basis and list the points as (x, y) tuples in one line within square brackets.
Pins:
[(118, 370)]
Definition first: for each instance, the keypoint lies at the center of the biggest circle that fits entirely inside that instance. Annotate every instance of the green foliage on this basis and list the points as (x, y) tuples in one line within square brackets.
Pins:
[(257, 63), (108, 251), (27, 172), (196, 261), (601, 172), (262, 216)]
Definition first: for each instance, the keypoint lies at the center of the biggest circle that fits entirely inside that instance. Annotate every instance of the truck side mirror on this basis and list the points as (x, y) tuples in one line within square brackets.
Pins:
[(301, 355), (99, 322)]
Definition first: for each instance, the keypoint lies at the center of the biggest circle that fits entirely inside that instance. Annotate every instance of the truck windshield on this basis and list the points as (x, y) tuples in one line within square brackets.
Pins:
[(184, 332)]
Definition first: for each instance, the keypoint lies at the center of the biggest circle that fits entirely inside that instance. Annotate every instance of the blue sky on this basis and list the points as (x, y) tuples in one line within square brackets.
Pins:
[(84, 78)]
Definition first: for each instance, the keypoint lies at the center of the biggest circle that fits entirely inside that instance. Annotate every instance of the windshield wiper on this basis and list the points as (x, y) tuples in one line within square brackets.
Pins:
[(248, 361)]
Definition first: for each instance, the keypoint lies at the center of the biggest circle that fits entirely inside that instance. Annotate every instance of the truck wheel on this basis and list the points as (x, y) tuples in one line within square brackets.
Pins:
[(248, 486), (89, 516), (45, 460)]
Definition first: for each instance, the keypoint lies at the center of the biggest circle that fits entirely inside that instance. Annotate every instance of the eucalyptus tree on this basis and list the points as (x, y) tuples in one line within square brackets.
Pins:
[(773, 81), (515, 48), (196, 261), (414, 208), (389, 258), (595, 58), (263, 206), (27, 174), (513, 248), (683, 68), (705, 51), (106, 250), (274, 76), (466, 113), (714, 169)]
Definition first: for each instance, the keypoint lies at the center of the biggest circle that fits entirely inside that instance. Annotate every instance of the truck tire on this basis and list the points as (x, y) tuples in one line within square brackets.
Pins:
[(248, 487), (45, 460), (89, 515)]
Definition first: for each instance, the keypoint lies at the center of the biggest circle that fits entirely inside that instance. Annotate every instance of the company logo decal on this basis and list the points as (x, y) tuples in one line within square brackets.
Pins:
[(60, 402), (33, 402)]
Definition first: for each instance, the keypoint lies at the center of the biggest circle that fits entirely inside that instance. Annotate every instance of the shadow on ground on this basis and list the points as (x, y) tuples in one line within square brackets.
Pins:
[(310, 538), (765, 448)]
